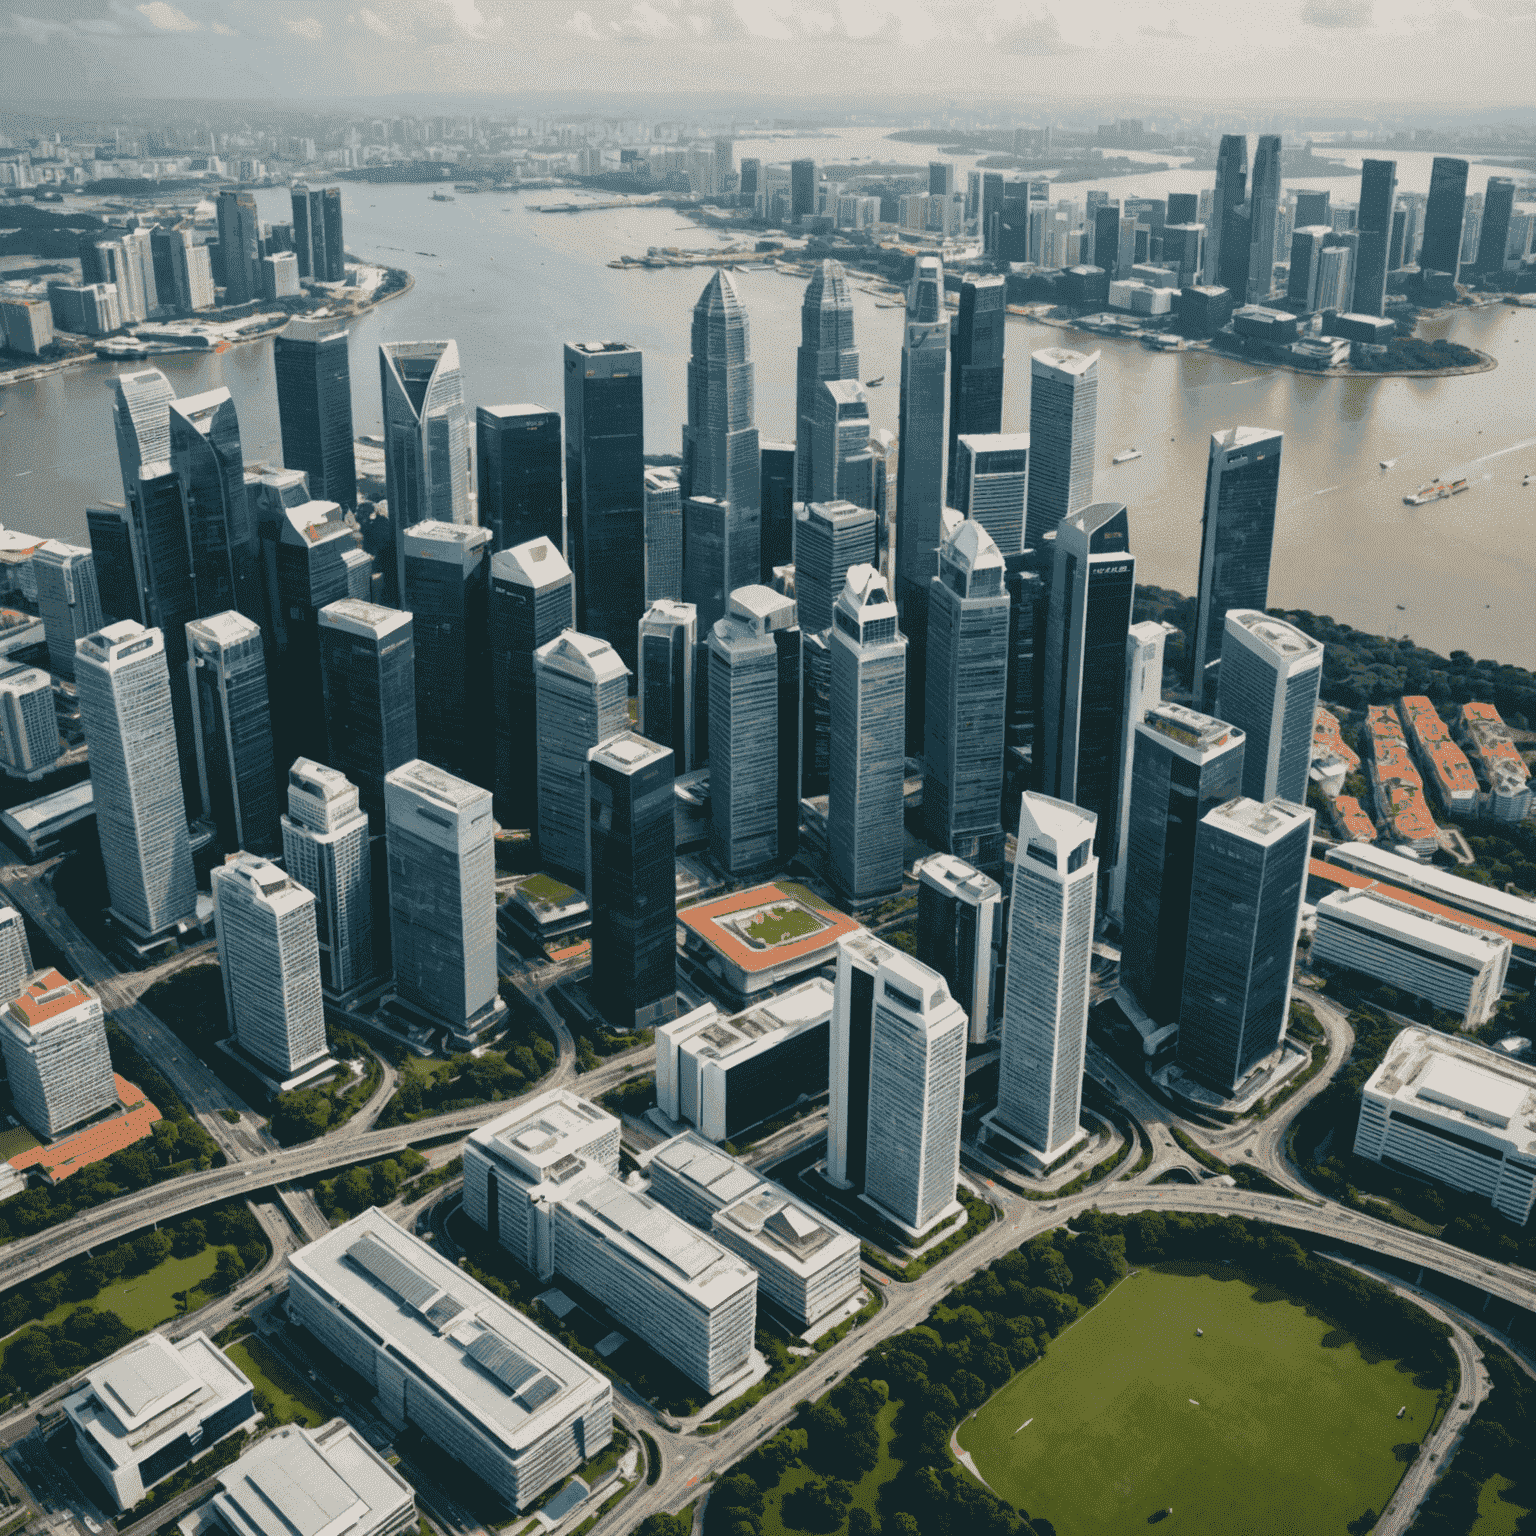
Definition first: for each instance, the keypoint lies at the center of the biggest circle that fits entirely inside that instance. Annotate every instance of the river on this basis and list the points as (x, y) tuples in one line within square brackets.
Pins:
[(511, 285)]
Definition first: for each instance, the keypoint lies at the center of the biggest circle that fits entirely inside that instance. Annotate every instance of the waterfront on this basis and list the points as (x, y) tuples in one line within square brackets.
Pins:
[(511, 285)]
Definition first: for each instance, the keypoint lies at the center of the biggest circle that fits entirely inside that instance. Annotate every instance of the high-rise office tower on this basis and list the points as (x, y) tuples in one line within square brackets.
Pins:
[(1144, 646), (1378, 197), (531, 598), (992, 484), (826, 352), (669, 644), (141, 423), (447, 593), (517, 461), (67, 599), (815, 713), (1444, 215), (114, 554), (239, 245), (754, 730), (1313, 208), (859, 958), (1250, 879), (442, 897), (1028, 610), (1183, 207), (1184, 765), (1237, 536), (582, 689), (720, 455), (1264, 206), (1231, 191), (916, 1092), (1063, 421), (778, 508), (1335, 272), (843, 464), (1270, 677), (663, 535), (29, 725), (830, 538), (751, 179), (1106, 237), (1184, 251), (720, 554), (634, 882), (426, 438), (235, 765), (269, 959), (56, 1054), (326, 849), (1493, 235), (867, 753), (207, 458), (1398, 241), (941, 177), (966, 698), (1050, 955), (802, 188), (368, 679), (1092, 586), (125, 708), (959, 911), (314, 407), (317, 237), (605, 489), (1308, 243), (976, 338)]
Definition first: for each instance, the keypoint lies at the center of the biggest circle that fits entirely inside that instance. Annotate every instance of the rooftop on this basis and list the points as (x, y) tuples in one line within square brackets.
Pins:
[(957, 877), (219, 629), (581, 656), (538, 563), (547, 1139), (763, 927), (1260, 822), (704, 1033), (505, 412), (432, 539), (47, 997), (1353, 819), (628, 752), (61, 1159), (1517, 911), (1190, 728), (436, 784), (1275, 635), (1449, 937), (1062, 360), (269, 884), (362, 618)]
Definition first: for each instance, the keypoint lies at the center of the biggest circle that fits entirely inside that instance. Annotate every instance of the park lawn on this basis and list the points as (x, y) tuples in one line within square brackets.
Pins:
[(16, 1140), (291, 1399), (1294, 1431), (1496, 1516), (866, 1492), (780, 923), (145, 1301)]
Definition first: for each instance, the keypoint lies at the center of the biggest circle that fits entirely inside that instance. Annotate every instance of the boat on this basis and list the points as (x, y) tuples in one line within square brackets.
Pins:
[(443, 197), (1435, 490), (875, 382), (1387, 463), (1126, 455), (1402, 607)]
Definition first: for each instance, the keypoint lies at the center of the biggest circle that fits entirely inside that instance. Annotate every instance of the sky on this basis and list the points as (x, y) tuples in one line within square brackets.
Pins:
[(1335, 53)]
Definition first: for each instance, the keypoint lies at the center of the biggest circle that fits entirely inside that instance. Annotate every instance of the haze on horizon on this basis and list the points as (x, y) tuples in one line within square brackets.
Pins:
[(1371, 55)]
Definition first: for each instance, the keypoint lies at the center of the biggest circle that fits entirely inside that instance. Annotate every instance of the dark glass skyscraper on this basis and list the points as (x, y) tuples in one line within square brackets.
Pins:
[(720, 454), (1237, 536), (802, 188), (1264, 213), (668, 650), (605, 490), (778, 508), (1028, 612), (1378, 195), (976, 338), (1493, 236), (109, 531), (317, 238), (517, 459), (1231, 192), (314, 407), (239, 245), (1440, 248), (826, 352)]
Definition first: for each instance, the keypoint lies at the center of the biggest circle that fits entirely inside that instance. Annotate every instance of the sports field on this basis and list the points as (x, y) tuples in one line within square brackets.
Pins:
[(1269, 1425)]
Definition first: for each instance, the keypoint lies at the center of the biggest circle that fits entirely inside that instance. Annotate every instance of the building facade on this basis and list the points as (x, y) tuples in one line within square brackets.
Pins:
[(67, 600), (668, 652), (54, 1037), (976, 340), (826, 351), (1063, 422), (518, 468), (1268, 685), (991, 484), (314, 407)]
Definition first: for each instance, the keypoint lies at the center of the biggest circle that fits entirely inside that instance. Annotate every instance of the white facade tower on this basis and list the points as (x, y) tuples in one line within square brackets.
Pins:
[(1144, 647)]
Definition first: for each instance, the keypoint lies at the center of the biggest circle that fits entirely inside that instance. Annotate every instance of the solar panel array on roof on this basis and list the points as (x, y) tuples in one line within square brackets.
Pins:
[(392, 1272), (494, 1355), (534, 1397), (444, 1310)]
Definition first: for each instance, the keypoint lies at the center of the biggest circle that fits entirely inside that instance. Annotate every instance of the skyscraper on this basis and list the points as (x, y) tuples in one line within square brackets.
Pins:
[(916, 1092), (447, 593), (1106, 237), (1493, 236), (531, 597), (867, 757), (669, 644), (1092, 586), (826, 352), (368, 677), (802, 189), (991, 484), (966, 699), (605, 489), (1250, 879), (326, 849), (114, 553), (239, 245), (1270, 677), (141, 423), (1440, 247), (720, 454), (1231, 191), (235, 765), (1378, 197), (1308, 243), (442, 898), (830, 538), (426, 438), (976, 337), (720, 554), (663, 535), (1144, 646), (269, 960), (56, 1053), (314, 407), (29, 725), (317, 237), (843, 464), (1237, 535), (1264, 206), (67, 600), (1063, 418), (1050, 955), (634, 882), (1029, 592), (125, 708), (1184, 765), (517, 460), (778, 508), (959, 911), (815, 713), (754, 730), (582, 689), (859, 957)]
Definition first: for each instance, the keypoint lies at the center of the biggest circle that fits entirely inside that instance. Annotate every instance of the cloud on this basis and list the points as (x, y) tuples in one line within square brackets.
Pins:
[(1338, 14), (98, 26), (36, 31), (582, 25), (644, 20), (1033, 37), (161, 14), (468, 17), (307, 27), (375, 23)]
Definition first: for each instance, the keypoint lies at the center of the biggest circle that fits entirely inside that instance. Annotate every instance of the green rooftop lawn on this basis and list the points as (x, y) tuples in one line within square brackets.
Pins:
[(146, 1301), (16, 1140), (781, 923), (546, 888)]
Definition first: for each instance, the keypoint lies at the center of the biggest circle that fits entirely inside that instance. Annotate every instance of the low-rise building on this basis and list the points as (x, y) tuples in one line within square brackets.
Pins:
[(1397, 786), (1333, 759), (55, 1044), (1443, 762), (1455, 1111), (29, 725), (486, 1385), (1503, 779), (1350, 820)]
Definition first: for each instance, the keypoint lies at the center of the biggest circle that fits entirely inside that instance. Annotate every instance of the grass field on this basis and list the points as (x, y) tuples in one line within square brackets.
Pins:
[(780, 923), (1289, 1430), (291, 1399), (1495, 1515), (866, 1492), (15, 1140), (145, 1301)]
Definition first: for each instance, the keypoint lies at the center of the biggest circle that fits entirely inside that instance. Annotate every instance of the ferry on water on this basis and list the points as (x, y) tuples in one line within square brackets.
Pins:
[(1126, 455), (1435, 490)]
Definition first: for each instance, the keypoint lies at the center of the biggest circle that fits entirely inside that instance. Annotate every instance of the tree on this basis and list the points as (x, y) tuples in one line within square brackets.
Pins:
[(189, 1238), (861, 1523), (300, 1116), (228, 1268), (150, 1249)]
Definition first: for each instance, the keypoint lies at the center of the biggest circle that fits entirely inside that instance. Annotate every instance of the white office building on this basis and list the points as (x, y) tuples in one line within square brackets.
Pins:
[(29, 725), (1455, 1111), (1481, 901), (1144, 647), (270, 962), (1050, 955), (55, 1042), (15, 954), (67, 599), (476, 1377), (859, 958), (992, 484), (1457, 968), (1267, 686), (154, 1406), (916, 1094), (806, 1266)]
